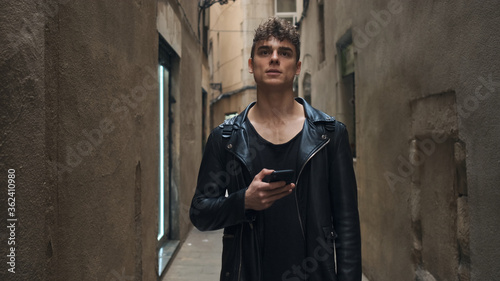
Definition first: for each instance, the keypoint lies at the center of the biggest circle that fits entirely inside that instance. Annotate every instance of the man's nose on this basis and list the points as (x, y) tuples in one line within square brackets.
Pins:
[(274, 56)]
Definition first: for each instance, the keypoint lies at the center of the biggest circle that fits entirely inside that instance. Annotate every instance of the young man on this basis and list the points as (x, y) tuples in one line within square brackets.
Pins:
[(305, 230)]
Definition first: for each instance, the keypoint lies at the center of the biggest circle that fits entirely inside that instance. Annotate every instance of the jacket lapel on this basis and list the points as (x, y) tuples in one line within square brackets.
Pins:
[(239, 143)]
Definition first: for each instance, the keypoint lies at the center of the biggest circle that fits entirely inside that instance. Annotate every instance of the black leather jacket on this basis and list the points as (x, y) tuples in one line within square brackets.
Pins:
[(326, 197)]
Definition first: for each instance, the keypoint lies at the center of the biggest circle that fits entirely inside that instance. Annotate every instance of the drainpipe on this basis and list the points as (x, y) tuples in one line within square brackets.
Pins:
[(304, 14)]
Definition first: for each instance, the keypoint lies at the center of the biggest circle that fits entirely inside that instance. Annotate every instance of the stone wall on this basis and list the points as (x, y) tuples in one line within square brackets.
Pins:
[(425, 94), (79, 124)]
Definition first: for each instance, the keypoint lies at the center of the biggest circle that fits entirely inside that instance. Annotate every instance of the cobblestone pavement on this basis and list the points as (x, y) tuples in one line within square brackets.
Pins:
[(199, 258)]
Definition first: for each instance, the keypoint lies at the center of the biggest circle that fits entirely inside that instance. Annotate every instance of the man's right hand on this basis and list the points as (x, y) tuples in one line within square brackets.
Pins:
[(261, 195)]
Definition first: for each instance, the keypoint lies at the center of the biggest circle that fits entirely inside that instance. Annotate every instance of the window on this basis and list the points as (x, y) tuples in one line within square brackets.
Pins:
[(347, 59), (345, 50), (286, 6), (206, 26), (286, 9)]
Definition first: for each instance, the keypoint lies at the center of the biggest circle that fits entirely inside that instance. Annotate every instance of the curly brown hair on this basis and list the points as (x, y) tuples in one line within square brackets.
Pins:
[(279, 29)]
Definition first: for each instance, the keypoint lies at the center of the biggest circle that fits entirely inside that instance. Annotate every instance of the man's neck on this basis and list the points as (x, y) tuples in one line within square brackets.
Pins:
[(277, 118), (274, 107)]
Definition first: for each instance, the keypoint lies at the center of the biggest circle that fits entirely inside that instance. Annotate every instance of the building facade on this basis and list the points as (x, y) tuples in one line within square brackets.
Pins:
[(416, 85), (99, 100)]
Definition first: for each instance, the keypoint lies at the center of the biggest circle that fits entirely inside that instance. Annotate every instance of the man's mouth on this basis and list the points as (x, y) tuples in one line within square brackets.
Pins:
[(273, 71)]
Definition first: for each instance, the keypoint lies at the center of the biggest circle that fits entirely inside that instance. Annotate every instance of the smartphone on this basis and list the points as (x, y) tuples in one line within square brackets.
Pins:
[(280, 175)]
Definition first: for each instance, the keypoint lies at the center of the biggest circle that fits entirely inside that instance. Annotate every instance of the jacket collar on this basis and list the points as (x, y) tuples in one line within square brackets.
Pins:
[(313, 136), (312, 114)]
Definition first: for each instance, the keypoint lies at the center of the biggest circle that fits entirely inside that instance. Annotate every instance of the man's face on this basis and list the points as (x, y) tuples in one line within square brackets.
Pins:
[(274, 63)]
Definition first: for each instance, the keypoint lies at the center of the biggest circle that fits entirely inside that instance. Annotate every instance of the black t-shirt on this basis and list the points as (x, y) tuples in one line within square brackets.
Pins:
[(283, 244)]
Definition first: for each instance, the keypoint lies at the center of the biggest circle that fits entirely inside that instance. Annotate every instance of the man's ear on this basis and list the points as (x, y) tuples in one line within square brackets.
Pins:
[(250, 65), (299, 66)]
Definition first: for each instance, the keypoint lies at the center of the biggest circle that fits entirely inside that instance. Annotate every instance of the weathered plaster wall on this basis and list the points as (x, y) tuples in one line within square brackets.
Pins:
[(226, 35), (26, 127), (435, 217), (106, 59), (79, 122), (190, 118), (477, 46)]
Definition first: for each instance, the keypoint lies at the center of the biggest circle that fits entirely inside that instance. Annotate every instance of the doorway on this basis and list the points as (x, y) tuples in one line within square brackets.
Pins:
[(167, 204)]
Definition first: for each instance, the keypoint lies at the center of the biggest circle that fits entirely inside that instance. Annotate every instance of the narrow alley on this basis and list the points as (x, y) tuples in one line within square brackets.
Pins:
[(106, 109)]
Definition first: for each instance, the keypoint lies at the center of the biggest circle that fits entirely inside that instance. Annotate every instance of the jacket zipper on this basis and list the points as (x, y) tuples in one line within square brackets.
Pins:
[(241, 253), (296, 184), (259, 269), (241, 231)]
